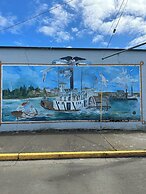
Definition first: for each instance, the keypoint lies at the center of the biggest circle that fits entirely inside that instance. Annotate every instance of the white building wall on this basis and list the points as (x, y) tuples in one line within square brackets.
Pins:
[(46, 55)]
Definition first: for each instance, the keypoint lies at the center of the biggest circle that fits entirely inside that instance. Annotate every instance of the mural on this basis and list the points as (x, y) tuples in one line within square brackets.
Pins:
[(70, 92)]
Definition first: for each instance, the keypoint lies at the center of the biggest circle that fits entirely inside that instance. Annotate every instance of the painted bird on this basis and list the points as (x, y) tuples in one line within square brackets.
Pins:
[(45, 71), (104, 81), (72, 60)]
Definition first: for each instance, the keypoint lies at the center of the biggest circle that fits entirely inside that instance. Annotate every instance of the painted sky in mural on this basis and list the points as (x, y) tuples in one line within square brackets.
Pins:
[(117, 77)]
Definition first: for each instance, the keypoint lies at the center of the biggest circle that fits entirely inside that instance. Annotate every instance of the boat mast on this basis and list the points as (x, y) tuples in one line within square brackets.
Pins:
[(71, 79), (58, 78), (131, 90), (81, 79)]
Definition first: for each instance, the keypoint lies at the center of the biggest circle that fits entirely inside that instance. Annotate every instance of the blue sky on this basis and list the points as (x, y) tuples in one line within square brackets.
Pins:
[(122, 77), (76, 23)]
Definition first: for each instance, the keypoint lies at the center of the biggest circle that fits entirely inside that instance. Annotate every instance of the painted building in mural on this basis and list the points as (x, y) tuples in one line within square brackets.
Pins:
[(70, 85)]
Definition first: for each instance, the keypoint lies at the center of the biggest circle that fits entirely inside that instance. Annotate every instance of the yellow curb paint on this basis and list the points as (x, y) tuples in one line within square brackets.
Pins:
[(72, 155), (86, 154), (8, 156)]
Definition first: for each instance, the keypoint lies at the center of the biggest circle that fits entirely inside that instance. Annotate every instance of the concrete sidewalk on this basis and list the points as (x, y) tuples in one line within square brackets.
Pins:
[(77, 141)]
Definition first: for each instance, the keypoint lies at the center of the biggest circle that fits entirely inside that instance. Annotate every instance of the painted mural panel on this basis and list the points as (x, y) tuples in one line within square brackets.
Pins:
[(70, 92)]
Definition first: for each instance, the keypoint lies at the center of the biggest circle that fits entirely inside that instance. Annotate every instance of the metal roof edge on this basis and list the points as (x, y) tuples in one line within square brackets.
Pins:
[(66, 48)]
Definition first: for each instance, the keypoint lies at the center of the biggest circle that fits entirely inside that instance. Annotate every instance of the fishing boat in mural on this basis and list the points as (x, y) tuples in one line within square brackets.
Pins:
[(25, 111)]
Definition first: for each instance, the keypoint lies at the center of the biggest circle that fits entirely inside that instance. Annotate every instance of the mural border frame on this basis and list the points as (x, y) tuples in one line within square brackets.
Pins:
[(0, 93), (69, 121)]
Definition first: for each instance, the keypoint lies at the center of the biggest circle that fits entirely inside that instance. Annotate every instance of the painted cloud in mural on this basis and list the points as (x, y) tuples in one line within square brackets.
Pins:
[(124, 78)]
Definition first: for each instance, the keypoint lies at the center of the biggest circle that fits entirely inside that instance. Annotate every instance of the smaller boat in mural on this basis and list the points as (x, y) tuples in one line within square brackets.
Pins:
[(122, 95), (24, 111)]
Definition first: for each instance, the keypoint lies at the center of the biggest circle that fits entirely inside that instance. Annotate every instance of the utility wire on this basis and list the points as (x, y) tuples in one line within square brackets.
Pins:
[(120, 16), (34, 17), (116, 15)]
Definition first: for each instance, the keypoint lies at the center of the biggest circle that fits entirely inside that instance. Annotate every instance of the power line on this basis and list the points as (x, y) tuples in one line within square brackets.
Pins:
[(34, 17), (120, 16), (116, 15)]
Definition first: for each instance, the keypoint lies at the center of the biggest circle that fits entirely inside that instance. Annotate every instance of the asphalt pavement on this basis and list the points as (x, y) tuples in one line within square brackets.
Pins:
[(78, 176)]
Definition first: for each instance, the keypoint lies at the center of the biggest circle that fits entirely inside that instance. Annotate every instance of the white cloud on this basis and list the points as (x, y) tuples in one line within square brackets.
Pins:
[(97, 38), (3, 21), (43, 7), (53, 32), (55, 26), (132, 25), (74, 29), (137, 41), (6, 21), (39, 6), (62, 35), (18, 43), (47, 30), (136, 7), (98, 16), (69, 46)]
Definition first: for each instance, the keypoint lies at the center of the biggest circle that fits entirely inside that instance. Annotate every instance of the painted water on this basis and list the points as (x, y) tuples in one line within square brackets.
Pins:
[(122, 110)]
